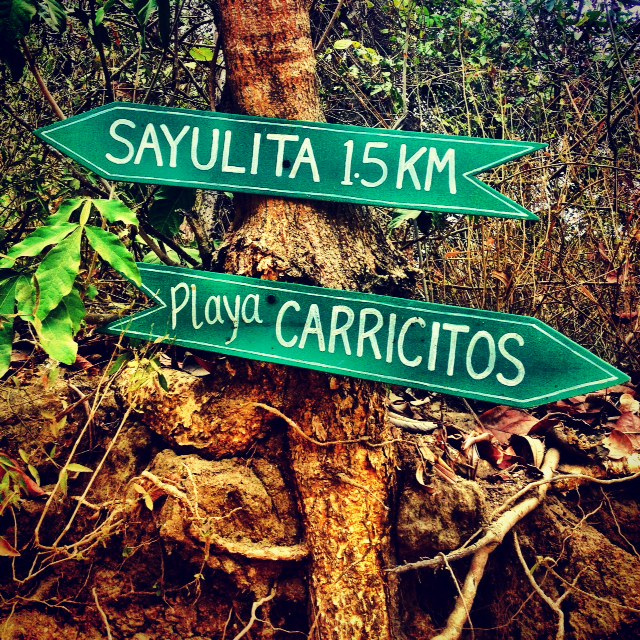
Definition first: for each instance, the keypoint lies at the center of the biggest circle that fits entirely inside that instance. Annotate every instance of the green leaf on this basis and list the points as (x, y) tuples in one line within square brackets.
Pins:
[(201, 54), (164, 214), (403, 215), (25, 298), (74, 467), (143, 10), (57, 273), (63, 481), (6, 343), (7, 308), (64, 211), (341, 45), (121, 360), (39, 240), (15, 19), (111, 250), (54, 14), (75, 309), (115, 211), (56, 335)]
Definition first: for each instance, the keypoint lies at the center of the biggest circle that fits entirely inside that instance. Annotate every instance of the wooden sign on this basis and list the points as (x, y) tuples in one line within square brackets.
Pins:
[(291, 159), (508, 359)]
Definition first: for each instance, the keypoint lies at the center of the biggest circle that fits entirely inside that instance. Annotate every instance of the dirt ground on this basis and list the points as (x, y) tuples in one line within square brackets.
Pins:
[(158, 539)]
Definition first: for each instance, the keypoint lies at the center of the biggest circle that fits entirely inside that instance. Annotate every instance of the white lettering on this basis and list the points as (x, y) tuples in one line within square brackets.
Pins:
[(234, 316), (409, 165), (491, 360), (369, 334), (174, 142), (336, 331), (149, 141), (255, 298), (401, 337), (450, 159), (194, 319), (125, 142), (226, 167), (455, 330), (512, 359), (282, 139), (312, 326), (256, 153), (207, 312), (391, 336), (433, 347), (174, 310), (286, 343), (215, 138), (306, 155)]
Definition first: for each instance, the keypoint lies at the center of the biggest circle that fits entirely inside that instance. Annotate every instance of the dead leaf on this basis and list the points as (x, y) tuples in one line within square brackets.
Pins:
[(628, 423), (619, 445), (7, 550), (503, 422), (628, 404), (531, 449)]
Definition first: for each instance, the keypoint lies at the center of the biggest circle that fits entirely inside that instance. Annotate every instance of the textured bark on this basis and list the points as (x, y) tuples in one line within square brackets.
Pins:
[(345, 490)]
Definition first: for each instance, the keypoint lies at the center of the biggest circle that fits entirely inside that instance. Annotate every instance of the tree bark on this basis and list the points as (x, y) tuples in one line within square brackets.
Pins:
[(345, 490)]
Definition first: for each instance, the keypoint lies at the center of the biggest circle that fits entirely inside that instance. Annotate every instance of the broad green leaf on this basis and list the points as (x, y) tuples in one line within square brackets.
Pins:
[(39, 240), (143, 10), (57, 273), (201, 54), (7, 308), (54, 14), (111, 250), (8, 295), (164, 214), (115, 211), (15, 19), (6, 343), (75, 308), (78, 468), (341, 45), (25, 298), (64, 211), (56, 335)]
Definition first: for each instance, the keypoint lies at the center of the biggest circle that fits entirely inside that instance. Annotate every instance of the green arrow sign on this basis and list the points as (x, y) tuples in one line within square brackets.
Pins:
[(310, 160), (477, 354)]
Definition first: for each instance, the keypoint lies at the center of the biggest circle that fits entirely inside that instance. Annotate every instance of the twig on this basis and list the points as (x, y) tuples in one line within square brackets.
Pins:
[(254, 609), (41, 83), (486, 545), (300, 432), (554, 605), (332, 21), (102, 614)]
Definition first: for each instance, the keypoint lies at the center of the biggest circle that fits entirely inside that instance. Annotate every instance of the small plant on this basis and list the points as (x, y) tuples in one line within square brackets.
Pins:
[(51, 297)]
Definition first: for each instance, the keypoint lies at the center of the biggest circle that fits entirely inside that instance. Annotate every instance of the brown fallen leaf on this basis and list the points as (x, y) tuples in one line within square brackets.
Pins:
[(503, 422), (7, 550), (619, 445)]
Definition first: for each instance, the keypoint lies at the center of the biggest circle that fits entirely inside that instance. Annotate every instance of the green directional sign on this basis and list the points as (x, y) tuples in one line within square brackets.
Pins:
[(291, 159), (508, 359)]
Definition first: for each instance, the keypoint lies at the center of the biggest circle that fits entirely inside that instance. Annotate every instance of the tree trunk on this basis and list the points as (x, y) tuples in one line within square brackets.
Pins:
[(345, 490)]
